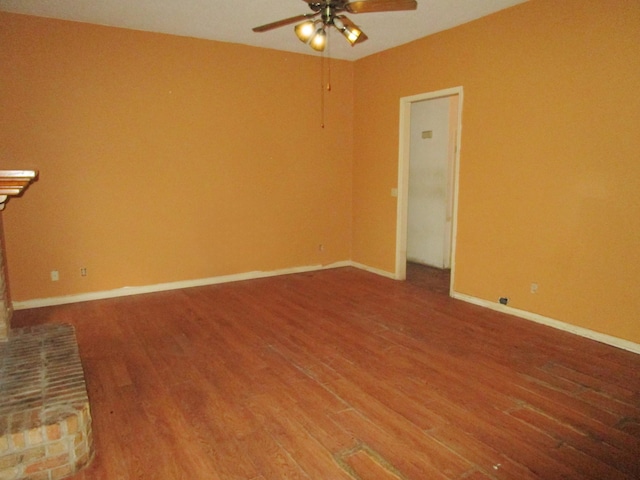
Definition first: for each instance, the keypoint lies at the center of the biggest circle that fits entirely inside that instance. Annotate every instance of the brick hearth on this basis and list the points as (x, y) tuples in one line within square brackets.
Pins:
[(45, 420)]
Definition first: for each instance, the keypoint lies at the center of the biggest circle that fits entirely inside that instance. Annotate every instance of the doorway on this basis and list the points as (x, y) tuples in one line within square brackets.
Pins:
[(430, 132)]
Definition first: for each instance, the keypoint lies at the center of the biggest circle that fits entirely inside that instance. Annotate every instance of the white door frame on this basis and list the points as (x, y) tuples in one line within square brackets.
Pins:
[(403, 178)]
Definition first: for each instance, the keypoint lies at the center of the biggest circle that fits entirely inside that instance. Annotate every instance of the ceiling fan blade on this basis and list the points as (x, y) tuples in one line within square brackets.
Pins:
[(369, 6), (283, 22)]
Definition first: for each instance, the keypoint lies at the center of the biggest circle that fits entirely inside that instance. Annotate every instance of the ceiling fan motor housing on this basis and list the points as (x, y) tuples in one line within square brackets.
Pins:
[(336, 6), (328, 10)]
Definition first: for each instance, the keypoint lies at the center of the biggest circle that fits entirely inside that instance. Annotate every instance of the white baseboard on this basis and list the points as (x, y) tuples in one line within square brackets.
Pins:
[(161, 287), (127, 291), (377, 271), (550, 322)]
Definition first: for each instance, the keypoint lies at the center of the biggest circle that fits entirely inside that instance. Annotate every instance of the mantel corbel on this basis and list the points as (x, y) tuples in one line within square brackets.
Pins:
[(13, 183)]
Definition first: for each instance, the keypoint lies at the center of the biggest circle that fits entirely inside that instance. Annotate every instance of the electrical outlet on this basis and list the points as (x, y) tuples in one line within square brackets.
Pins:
[(55, 276), (83, 272), (534, 288), (321, 247)]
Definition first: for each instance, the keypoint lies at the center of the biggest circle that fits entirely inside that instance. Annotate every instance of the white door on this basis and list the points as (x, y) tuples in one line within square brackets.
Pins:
[(432, 152)]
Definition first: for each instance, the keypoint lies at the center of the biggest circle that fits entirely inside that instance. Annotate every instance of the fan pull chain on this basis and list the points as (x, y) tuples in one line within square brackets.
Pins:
[(322, 90), (324, 87), (329, 61)]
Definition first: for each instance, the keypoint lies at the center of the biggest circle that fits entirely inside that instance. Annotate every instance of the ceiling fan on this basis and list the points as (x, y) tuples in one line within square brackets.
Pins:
[(328, 13)]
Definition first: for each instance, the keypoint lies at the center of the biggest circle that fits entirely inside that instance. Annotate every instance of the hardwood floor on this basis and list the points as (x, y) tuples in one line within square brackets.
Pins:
[(341, 374)]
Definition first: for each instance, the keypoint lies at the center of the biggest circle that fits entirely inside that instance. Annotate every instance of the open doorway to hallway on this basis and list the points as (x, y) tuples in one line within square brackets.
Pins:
[(430, 126), (430, 195)]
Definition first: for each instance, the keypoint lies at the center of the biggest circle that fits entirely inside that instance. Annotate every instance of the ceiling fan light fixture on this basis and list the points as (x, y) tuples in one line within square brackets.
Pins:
[(305, 30), (350, 30), (351, 34), (319, 40)]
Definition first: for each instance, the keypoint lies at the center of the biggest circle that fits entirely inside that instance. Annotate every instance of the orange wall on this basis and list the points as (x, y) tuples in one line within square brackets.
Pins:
[(549, 168), (165, 158)]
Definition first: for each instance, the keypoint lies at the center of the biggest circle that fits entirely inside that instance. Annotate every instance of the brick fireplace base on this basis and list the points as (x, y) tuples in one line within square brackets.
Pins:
[(45, 420)]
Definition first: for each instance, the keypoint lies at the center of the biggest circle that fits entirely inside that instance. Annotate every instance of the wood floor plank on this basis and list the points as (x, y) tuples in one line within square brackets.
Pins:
[(270, 458), (520, 443), (346, 375), (622, 460), (409, 459), (620, 392), (487, 459), (315, 422), (366, 465), (307, 451)]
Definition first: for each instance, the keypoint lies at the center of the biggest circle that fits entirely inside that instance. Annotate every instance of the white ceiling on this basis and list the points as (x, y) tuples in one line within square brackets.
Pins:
[(232, 20)]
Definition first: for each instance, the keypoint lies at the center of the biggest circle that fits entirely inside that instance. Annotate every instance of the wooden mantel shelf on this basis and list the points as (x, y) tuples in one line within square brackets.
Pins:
[(13, 182)]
